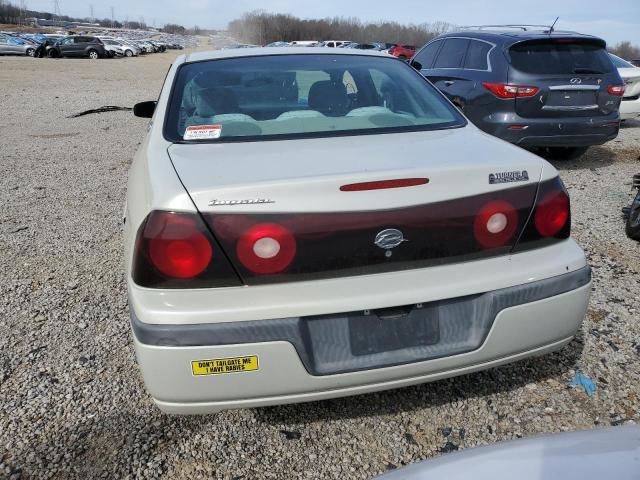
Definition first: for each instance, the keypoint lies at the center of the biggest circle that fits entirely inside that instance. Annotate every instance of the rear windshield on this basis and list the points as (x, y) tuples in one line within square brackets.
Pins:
[(620, 63), (560, 57), (255, 98)]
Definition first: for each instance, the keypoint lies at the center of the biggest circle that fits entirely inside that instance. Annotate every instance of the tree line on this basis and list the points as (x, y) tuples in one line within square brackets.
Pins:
[(261, 28)]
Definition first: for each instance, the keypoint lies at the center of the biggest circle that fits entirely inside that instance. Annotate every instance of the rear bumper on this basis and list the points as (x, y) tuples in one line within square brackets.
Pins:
[(539, 319), (552, 132), (519, 332)]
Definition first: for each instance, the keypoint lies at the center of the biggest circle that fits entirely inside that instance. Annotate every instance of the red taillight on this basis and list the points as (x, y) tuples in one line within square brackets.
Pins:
[(266, 248), (176, 246), (552, 213), (495, 224), (617, 90), (503, 90), (384, 184)]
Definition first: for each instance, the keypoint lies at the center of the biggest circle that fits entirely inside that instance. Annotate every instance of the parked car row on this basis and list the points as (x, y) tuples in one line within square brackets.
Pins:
[(403, 52), (122, 44)]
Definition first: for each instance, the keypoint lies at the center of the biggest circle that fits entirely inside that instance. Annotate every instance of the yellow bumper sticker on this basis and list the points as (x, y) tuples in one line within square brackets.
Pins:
[(224, 365)]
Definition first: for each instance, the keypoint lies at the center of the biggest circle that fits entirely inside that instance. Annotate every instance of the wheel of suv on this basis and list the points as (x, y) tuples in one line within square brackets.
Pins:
[(30, 52), (128, 53), (633, 220), (93, 55), (562, 153)]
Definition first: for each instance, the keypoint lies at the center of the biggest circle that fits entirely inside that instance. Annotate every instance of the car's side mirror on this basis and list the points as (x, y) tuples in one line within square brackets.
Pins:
[(144, 109), (416, 65)]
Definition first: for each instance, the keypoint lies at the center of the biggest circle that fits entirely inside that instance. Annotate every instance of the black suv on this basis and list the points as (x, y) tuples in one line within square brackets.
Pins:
[(79, 46), (555, 92)]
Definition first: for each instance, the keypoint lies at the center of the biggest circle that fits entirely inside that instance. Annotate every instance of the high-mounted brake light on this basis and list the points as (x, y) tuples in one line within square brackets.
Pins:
[(384, 184), (266, 248), (503, 90), (617, 90), (552, 213), (495, 224)]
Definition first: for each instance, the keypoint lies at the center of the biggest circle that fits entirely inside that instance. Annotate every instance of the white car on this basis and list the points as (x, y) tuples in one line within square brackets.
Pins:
[(308, 223), (630, 105), (336, 43)]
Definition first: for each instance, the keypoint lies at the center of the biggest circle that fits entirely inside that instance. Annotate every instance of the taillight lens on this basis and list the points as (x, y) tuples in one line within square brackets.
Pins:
[(266, 248), (550, 220), (503, 90), (552, 213), (495, 224), (176, 250), (617, 90)]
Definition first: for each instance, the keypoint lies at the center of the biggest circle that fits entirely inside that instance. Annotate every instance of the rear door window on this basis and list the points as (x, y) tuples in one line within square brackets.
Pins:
[(560, 57), (452, 53), (427, 55), (477, 55)]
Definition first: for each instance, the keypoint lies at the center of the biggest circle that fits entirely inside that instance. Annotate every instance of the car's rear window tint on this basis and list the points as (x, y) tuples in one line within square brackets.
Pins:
[(477, 54), (560, 57), (255, 98)]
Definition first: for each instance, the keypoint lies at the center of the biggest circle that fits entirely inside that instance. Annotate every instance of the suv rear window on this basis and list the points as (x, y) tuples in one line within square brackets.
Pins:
[(560, 57), (254, 98)]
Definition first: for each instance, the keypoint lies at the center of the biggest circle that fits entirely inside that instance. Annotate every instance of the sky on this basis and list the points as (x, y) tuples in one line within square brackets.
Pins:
[(613, 20)]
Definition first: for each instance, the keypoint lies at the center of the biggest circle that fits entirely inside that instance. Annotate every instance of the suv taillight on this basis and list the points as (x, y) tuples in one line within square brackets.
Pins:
[(176, 250), (550, 219), (503, 90)]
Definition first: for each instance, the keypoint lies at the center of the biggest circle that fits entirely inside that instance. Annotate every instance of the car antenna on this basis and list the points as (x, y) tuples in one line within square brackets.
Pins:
[(551, 29)]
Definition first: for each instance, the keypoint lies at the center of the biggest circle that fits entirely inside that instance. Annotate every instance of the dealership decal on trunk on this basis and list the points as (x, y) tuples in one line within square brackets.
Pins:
[(508, 177)]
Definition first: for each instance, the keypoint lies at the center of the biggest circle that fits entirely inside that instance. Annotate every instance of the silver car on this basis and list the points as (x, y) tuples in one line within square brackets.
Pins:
[(309, 223), (10, 45)]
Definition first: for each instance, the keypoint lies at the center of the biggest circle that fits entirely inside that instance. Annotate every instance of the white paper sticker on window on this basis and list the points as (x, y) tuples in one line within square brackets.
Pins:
[(203, 132)]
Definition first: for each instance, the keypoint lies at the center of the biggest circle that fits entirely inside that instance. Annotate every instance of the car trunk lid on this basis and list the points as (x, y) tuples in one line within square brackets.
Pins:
[(321, 201)]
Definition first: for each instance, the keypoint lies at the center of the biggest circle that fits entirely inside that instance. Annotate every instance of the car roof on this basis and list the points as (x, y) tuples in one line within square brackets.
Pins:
[(266, 51), (512, 36)]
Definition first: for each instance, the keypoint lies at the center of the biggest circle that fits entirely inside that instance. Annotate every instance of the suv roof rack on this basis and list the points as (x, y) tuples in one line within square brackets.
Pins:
[(525, 28)]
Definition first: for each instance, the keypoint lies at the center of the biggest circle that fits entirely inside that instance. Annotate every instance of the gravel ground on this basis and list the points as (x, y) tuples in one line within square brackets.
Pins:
[(72, 403)]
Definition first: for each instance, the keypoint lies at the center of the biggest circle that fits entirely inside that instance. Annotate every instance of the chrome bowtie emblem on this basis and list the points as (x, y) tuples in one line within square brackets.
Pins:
[(575, 81), (388, 239)]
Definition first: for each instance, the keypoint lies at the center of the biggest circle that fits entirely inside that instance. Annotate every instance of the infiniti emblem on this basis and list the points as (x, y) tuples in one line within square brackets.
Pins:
[(389, 239), (575, 81)]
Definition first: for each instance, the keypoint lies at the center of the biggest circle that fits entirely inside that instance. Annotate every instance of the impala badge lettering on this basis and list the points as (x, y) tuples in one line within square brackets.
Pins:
[(248, 201), (508, 177)]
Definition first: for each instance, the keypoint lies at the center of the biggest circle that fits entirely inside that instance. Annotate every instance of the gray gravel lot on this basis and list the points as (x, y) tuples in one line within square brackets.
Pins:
[(72, 403)]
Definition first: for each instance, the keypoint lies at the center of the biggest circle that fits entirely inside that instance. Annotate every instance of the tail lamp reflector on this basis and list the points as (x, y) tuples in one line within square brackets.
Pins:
[(503, 90), (177, 247), (495, 224), (552, 214), (617, 90), (266, 248)]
